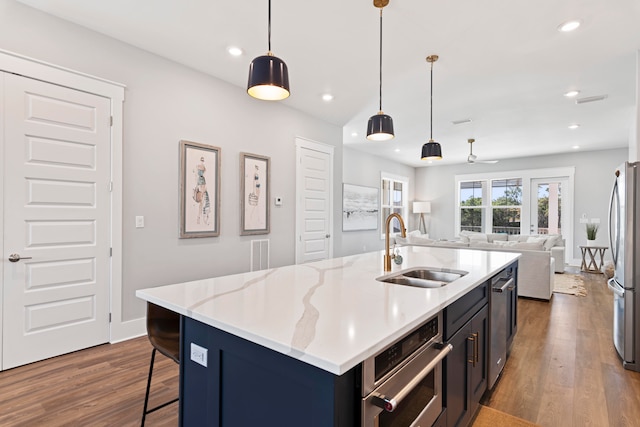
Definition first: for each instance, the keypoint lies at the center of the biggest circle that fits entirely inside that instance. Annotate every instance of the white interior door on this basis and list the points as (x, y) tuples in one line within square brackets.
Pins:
[(314, 193), (56, 219)]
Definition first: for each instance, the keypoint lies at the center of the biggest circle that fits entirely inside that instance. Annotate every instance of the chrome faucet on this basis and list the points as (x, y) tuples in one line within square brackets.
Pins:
[(387, 257)]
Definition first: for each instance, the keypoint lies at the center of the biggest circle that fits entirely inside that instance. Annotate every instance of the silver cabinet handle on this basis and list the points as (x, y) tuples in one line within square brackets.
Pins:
[(389, 404), (17, 257)]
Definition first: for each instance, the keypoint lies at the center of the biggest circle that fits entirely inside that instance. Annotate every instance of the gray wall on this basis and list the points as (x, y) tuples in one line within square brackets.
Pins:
[(164, 103), (364, 169), (593, 183)]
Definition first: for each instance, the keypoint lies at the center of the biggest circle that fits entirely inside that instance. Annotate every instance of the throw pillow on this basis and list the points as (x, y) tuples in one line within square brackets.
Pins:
[(551, 241), (532, 239)]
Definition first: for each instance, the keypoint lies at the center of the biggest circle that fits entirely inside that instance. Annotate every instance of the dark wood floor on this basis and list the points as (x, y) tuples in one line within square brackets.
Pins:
[(563, 371)]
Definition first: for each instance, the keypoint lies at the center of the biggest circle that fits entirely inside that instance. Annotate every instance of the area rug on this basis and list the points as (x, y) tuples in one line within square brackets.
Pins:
[(488, 417), (570, 284)]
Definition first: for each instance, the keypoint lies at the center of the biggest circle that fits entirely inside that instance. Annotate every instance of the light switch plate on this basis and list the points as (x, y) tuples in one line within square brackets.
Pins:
[(139, 221), (199, 354)]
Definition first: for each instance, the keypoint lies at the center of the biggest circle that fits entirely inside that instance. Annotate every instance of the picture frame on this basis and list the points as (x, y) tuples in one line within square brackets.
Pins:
[(199, 190), (255, 193), (360, 207)]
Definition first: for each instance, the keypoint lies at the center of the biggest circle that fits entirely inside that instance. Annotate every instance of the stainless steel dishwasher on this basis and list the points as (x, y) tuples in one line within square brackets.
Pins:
[(501, 284)]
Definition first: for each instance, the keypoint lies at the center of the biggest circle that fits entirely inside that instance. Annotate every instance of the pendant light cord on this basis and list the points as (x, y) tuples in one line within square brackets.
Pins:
[(380, 109), (269, 26), (431, 105)]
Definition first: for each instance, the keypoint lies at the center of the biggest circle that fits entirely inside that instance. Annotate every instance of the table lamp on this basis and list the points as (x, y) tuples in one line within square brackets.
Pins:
[(422, 208)]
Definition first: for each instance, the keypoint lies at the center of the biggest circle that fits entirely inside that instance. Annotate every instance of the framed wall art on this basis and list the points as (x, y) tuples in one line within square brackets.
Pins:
[(359, 208), (255, 183), (199, 190)]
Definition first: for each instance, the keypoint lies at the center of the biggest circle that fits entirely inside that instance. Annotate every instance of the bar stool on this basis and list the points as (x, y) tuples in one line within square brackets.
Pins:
[(163, 330)]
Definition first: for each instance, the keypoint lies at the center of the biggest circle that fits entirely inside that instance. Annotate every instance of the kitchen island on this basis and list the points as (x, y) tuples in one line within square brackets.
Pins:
[(285, 341)]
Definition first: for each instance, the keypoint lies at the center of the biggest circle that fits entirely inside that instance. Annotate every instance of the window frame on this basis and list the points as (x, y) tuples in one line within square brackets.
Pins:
[(404, 208)]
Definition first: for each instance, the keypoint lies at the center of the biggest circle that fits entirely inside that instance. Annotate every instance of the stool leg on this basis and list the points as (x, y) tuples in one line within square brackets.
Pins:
[(146, 396)]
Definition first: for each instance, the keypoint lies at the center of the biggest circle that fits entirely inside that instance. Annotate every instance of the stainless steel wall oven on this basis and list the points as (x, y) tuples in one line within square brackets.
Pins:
[(402, 385)]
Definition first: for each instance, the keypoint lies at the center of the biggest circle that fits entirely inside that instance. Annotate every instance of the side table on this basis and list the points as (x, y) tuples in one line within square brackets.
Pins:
[(595, 263)]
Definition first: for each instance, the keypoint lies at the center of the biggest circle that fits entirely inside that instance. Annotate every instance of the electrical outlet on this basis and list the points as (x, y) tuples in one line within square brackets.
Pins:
[(199, 354), (595, 220)]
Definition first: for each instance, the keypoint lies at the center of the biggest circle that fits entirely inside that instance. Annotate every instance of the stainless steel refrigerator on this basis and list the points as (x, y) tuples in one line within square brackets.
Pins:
[(624, 237)]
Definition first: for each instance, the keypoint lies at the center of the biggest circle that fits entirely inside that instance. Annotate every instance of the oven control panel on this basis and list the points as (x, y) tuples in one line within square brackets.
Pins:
[(393, 355)]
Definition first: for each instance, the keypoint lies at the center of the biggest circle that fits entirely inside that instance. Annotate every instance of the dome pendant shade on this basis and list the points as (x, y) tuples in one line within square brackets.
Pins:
[(431, 151), (380, 127), (268, 78)]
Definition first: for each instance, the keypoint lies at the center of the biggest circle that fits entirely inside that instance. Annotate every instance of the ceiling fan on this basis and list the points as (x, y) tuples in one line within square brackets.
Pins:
[(472, 157)]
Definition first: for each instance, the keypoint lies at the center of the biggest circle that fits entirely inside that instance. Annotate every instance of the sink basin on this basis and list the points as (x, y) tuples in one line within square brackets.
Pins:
[(424, 277)]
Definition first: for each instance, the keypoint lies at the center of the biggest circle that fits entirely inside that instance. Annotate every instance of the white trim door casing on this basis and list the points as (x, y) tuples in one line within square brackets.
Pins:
[(314, 201)]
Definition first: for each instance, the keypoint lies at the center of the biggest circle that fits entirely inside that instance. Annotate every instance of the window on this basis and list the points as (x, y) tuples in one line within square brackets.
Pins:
[(472, 205), (506, 203), (394, 199)]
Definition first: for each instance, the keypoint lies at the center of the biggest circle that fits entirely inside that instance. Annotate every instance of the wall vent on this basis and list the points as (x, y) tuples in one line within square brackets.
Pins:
[(259, 254), (591, 99)]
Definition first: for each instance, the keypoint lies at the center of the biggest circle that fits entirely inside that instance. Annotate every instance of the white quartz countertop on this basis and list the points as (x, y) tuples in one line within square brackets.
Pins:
[(332, 314)]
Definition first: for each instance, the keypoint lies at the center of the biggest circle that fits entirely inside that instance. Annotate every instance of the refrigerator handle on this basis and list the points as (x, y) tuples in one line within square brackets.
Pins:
[(617, 289), (614, 199)]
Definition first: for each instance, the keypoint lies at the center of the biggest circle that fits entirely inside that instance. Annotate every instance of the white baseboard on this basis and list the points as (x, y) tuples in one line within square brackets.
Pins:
[(122, 331)]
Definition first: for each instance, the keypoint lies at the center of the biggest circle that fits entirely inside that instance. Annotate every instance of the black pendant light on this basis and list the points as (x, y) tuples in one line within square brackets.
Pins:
[(268, 75), (380, 126), (431, 150)]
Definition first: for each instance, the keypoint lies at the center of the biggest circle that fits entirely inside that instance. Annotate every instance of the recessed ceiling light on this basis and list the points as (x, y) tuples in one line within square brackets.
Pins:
[(354, 134), (234, 51), (569, 26), (327, 97), (572, 93), (575, 147), (397, 150), (574, 126)]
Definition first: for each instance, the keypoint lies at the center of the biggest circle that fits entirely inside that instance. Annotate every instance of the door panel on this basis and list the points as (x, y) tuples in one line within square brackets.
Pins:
[(315, 179), (546, 205), (57, 212)]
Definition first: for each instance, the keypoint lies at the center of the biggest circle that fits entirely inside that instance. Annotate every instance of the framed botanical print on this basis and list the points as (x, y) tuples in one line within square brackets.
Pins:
[(255, 185), (199, 190)]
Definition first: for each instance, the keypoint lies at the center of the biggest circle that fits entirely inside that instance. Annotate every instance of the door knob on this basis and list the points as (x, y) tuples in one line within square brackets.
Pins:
[(17, 257), (327, 235)]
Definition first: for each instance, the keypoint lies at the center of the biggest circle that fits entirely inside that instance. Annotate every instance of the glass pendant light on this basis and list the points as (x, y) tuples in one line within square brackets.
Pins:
[(431, 150), (268, 75), (380, 126)]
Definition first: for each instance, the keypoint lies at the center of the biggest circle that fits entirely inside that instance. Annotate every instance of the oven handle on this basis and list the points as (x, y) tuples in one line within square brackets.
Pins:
[(389, 404)]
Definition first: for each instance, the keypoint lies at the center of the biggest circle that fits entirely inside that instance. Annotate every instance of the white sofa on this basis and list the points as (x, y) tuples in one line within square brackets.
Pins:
[(537, 264)]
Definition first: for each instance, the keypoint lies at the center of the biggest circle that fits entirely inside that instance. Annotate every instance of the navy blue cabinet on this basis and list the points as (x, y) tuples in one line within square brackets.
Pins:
[(245, 384)]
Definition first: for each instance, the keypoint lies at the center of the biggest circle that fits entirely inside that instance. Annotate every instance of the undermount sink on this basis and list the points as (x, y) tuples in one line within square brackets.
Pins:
[(424, 277)]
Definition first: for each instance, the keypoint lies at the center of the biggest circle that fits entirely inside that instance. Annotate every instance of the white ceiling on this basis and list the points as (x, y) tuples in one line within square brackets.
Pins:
[(502, 64)]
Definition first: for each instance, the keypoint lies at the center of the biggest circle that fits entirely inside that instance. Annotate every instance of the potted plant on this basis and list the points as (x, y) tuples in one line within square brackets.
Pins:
[(592, 232)]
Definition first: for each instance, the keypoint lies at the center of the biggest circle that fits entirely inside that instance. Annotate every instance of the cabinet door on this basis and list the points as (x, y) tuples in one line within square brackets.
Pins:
[(466, 370), (477, 358), (512, 314), (457, 378)]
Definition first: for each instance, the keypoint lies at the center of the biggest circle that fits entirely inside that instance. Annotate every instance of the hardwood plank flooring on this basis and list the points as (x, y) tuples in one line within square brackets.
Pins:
[(563, 369), (100, 386)]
